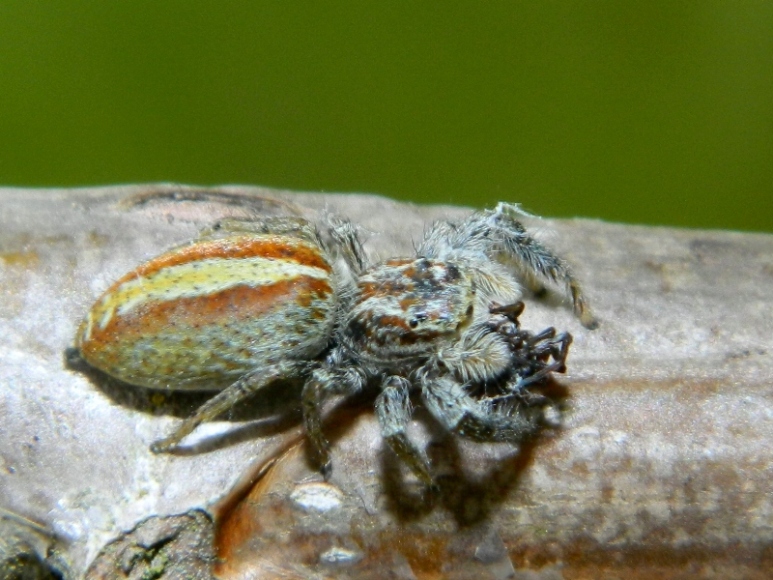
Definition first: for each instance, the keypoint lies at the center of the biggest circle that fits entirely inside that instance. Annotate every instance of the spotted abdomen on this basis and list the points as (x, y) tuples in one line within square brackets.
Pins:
[(201, 316)]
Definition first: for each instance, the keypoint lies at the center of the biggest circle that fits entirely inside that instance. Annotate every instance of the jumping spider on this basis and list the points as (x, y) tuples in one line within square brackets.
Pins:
[(256, 302)]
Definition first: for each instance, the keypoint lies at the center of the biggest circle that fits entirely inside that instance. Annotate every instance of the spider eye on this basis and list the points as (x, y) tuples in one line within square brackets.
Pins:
[(423, 264), (414, 322)]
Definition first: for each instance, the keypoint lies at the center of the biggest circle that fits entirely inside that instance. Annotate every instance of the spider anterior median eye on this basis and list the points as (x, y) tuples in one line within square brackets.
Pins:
[(414, 322)]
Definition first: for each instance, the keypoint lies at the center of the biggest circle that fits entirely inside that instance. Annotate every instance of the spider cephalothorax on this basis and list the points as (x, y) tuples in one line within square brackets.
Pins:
[(255, 302)]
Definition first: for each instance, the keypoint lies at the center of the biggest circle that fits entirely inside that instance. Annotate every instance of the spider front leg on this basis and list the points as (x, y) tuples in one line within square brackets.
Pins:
[(457, 411), (323, 383), (535, 261), (393, 408)]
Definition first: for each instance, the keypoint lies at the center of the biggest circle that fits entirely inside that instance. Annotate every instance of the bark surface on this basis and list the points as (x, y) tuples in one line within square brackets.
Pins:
[(662, 465)]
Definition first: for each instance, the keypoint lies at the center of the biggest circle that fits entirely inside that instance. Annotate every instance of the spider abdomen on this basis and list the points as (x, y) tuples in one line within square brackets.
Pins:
[(201, 316)]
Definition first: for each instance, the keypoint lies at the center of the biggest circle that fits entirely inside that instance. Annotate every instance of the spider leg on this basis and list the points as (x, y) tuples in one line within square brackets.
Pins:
[(343, 234), (498, 235), (457, 411), (322, 384), (534, 260), (348, 244), (393, 408), (228, 398)]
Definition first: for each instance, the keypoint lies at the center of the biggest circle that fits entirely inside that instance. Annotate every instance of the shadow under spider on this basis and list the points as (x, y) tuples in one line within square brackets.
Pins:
[(463, 488), (467, 487), (276, 408)]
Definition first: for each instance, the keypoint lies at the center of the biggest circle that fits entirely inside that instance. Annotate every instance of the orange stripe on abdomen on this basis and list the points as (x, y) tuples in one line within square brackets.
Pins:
[(227, 307)]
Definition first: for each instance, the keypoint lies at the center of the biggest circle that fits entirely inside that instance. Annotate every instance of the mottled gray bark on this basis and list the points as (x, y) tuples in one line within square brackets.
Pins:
[(661, 467)]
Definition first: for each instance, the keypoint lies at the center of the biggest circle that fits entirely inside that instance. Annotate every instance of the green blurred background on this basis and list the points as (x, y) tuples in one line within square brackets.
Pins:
[(647, 112)]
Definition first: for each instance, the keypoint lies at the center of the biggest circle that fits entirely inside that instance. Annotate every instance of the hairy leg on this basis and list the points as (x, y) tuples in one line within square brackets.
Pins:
[(455, 409), (348, 244), (322, 384), (393, 408), (228, 398), (497, 234), (534, 260)]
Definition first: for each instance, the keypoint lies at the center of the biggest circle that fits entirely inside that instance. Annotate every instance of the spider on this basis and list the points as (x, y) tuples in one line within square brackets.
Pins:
[(250, 303)]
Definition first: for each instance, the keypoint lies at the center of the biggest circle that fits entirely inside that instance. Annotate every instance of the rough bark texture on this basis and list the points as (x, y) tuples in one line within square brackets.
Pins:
[(661, 467)]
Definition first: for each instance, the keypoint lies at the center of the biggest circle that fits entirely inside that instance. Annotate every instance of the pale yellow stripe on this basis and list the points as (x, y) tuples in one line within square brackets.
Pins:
[(195, 279)]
